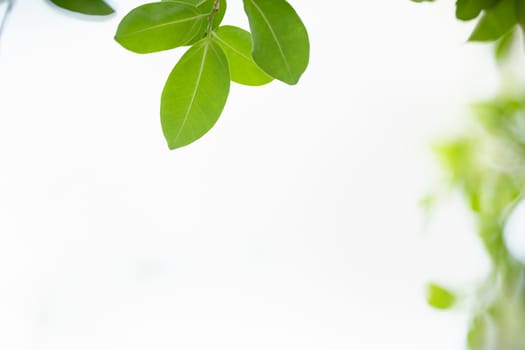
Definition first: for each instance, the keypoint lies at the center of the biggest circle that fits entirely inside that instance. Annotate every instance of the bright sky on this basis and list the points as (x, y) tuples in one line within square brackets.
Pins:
[(293, 224)]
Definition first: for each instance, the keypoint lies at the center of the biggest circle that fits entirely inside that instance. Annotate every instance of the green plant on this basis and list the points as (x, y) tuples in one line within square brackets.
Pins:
[(196, 90), (487, 166), (195, 93)]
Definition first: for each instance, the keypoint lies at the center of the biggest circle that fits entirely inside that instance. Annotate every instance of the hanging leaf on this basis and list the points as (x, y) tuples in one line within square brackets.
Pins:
[(160, 26), (281, 45), (87, 7), (237, 45), (195, 94), (495, 22)]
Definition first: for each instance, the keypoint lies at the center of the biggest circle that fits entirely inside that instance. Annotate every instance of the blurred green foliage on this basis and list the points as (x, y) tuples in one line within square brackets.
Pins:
[(439, 297), (488, 166), (495, 18)]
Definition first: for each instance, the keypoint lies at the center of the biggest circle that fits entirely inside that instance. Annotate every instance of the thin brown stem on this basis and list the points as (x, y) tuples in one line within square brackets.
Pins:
[(214, 10)]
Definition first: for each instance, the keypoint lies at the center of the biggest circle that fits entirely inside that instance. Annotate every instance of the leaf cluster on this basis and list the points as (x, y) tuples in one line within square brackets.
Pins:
[(195, 93)]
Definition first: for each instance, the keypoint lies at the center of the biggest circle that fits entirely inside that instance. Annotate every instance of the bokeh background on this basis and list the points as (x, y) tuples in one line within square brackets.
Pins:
[(293, 224)]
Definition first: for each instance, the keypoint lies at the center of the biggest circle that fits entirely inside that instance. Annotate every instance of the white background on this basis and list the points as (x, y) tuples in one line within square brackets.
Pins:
[(293, 224)]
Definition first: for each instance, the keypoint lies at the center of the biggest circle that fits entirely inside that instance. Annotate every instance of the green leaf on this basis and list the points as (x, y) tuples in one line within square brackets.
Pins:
[(160, 26), (477, 334), (520, 10), (205, 6), (496, 22), (504, 46), (237, 45), (439, 297), (468, 9), (486, 4), (195, 94), (87, 7), (281, 45)]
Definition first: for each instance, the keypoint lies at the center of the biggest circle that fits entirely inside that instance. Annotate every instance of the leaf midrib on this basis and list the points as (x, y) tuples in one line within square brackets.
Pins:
[(195, 89), (188, 19)]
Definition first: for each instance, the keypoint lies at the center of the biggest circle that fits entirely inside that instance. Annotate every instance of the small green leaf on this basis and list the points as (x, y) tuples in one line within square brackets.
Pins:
[(468, 9), (281, 45), (237, 45), (439, 297), (205, 6), (160, 26), (195, 94), (495, 22), (87, 7)]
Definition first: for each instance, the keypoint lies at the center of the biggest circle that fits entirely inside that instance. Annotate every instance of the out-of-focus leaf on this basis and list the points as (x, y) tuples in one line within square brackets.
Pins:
[(87, 7), (504, 45), (468, 9), (477, 334), (520, 10), (495, 22), (440, 298)]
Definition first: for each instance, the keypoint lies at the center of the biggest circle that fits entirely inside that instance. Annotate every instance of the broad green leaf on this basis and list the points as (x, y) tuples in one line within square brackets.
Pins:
[(281, 45), (237, 45), (439, 297), (160, 26), (205, 6), (495, 22), (195, 94), (87, 7)]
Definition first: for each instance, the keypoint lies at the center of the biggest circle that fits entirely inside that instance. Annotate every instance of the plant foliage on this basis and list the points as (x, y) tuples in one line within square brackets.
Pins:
[(495, 18), (87, 7), (277, 47), (487, 166)]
